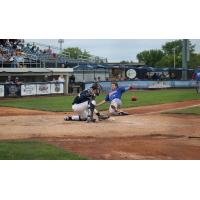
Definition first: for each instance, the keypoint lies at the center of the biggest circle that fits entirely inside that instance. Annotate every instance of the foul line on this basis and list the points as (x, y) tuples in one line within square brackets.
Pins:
[(157, 112)]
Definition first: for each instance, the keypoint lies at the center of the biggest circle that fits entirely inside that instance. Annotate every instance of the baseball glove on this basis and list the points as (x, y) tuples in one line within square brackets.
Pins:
[(103, 117)]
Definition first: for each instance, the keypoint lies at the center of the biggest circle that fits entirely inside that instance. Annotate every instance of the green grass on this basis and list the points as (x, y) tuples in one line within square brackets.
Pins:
[(32, 150), (189, 111), (63, 103)]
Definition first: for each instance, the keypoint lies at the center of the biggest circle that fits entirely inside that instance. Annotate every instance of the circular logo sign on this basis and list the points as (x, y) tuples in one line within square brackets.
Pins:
[(131, 73)]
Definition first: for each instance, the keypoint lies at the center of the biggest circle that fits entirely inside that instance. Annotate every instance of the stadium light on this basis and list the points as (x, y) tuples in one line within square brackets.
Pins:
[(60, 41)]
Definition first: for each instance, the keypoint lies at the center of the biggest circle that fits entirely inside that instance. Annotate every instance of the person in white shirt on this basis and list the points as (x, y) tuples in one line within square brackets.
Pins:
[(61, 79)]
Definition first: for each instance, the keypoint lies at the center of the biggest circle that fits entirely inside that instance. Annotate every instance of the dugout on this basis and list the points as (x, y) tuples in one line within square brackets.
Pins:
[(27, 75)]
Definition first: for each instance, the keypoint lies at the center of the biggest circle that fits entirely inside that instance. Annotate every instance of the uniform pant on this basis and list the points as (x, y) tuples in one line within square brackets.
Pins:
[(83, 110), (117, 103)]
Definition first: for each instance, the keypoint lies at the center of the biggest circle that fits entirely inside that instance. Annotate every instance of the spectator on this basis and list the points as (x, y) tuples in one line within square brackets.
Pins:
[(172, 77), (9, 81), (13, 61), (54, 80), (167, 76), (16, 81), (155, 77), (37, 50), (162, 76), (99, 79), (49, 50), (146, 77), (72, 79), (61, 79)]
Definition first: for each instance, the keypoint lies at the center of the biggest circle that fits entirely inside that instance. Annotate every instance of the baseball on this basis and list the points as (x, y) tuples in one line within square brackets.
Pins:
[(133, 98)]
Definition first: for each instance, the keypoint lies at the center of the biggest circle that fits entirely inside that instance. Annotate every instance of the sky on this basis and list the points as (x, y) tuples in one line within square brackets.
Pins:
[(114, 50)]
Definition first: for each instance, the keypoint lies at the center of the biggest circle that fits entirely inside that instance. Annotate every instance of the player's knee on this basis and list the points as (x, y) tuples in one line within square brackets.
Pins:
[(93, 102), (92, 105)]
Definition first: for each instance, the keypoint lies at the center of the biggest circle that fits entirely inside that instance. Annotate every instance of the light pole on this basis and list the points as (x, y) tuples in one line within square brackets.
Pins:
[(60, 41), (174, 49)]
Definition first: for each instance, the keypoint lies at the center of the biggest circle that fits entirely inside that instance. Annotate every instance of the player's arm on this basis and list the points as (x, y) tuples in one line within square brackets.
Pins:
[(104, 101), (125, 89), (101, 103)]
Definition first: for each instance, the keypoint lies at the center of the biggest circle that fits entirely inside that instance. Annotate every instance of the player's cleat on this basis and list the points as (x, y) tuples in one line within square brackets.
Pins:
[(123, 113), (67, 118), (90, 119), (119, 113)]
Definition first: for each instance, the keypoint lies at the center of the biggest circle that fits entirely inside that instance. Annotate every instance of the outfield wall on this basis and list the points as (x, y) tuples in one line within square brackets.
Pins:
[(148, 84), (31, 89), (49, 88)]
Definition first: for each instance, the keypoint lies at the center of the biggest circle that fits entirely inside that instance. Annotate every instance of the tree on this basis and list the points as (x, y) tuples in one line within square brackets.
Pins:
[(150, 57), (168, 61), (124, 62), (75, 52), (194, 60), (168, 47), (165, 56)]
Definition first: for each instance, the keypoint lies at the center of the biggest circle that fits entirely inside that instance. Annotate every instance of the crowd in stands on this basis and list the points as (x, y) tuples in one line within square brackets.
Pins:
[(35, 50), (14, 51), (11, 51)]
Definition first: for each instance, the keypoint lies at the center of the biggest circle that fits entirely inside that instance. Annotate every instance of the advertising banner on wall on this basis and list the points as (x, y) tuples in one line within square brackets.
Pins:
[(28, 89), (106, 86), (1, 90), (43, 88), (57, 88), (159, 84)]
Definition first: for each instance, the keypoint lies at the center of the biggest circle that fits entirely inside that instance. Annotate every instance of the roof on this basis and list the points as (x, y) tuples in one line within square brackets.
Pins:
[(33, 71)]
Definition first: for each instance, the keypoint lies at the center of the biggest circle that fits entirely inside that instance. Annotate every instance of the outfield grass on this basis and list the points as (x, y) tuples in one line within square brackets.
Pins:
[(63, 103), (190, 111), (32, 150)]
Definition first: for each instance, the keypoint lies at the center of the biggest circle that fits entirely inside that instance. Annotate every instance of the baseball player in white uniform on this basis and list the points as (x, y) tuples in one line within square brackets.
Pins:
[(84, 105)]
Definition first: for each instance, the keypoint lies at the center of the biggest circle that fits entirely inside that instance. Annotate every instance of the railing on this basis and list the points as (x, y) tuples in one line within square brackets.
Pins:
[(41, 59)]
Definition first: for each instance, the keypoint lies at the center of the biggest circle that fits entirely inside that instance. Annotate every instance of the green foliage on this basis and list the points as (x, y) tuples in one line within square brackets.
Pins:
[(150, 57), (168, 61), (76, 52), (165, 56), (168, 47), (194, 60), (32, 150)]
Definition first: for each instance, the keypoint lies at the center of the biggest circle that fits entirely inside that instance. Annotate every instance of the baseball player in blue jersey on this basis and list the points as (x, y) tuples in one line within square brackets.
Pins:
[(84, 106), (114, 98), (197, 78)]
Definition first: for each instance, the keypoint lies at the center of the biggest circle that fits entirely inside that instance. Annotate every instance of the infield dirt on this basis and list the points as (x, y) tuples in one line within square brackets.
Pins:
[(145, 134)]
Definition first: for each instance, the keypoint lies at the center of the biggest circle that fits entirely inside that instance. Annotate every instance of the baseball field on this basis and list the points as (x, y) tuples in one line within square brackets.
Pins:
[(163, 124)]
